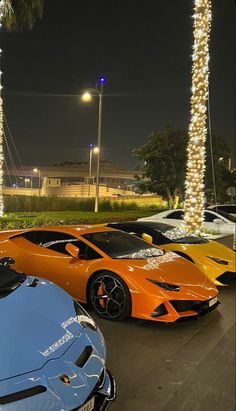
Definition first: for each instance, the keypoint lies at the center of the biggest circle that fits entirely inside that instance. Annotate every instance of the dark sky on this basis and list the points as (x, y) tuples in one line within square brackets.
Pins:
[(144, 51)]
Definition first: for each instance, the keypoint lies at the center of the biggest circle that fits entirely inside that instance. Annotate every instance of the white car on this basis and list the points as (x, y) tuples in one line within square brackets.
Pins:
[(218, 223)]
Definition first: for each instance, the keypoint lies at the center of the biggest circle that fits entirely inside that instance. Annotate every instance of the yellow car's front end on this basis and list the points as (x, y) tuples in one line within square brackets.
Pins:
[(216, 261)]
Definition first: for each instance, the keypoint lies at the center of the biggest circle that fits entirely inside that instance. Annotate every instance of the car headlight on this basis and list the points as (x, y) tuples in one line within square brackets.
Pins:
[(165, 286), (218, 260), (84, 318)]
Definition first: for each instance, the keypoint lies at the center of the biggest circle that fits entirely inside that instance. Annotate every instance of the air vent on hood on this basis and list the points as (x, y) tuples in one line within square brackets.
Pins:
[(33, 283), (20, 395), (84, 356)]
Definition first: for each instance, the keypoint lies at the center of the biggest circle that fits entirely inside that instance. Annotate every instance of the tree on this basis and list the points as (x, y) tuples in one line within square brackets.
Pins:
[(164, 157), (15, 15), (224, 178), (21, 14)]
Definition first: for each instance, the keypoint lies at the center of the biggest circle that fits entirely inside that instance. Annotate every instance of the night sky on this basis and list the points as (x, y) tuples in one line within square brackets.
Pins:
[(144, 51)]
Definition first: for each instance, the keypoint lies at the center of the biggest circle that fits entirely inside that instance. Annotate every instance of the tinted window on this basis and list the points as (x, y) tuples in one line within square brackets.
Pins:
[(43, 237), (118, 244), (209, 218), (176, 215), (228, 216), (85, 252), (230, 208)]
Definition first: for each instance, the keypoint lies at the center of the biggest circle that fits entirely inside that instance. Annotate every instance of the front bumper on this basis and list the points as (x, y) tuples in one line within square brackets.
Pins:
[(105, 394), (227, 277), (173, 310)]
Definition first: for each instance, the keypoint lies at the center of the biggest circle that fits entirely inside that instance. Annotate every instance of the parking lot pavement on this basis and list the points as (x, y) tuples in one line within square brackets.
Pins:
[(187, 366)]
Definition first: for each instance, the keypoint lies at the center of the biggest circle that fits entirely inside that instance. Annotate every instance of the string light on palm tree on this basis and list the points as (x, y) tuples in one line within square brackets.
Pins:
[(4, 5), (15, 15), (194, 194)]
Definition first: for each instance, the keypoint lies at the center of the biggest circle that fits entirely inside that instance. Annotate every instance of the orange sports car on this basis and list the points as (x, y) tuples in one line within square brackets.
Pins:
[(119, 274)]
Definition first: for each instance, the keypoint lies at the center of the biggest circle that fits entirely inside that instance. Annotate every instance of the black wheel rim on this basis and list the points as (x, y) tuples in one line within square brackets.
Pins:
[(108, 296)]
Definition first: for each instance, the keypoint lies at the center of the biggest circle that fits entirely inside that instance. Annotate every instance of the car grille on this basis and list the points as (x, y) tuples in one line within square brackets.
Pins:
[(101, 401), (201, 307)]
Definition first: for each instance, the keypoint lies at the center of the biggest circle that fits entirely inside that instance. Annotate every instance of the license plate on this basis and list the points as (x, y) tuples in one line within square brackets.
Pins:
[(89, 406), (213, 301)]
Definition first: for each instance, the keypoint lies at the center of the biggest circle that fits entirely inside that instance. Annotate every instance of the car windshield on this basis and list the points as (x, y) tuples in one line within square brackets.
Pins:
[(177, 235), (120, 245), (229, 217)]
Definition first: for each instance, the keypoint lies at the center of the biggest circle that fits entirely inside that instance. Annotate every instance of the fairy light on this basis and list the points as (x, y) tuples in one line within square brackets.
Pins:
[(194, 194), (2, 8)]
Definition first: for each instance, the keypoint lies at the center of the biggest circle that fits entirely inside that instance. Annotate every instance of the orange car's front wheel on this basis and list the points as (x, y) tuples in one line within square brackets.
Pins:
[(110, 296)]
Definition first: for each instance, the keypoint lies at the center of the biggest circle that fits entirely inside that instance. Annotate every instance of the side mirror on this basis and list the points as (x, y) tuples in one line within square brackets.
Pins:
[(147, 238), (218, 221), (72, 250)]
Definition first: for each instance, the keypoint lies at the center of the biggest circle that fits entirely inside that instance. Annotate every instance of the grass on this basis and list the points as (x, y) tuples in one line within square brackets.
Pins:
[(51, 218)]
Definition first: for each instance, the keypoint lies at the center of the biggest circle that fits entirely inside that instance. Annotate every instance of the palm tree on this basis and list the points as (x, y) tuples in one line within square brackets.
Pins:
[(194, 196), (15, 15)]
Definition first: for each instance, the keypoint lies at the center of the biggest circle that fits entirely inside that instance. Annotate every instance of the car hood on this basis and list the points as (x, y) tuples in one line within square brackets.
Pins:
[(210, 249), (169, 268), (38, 322)]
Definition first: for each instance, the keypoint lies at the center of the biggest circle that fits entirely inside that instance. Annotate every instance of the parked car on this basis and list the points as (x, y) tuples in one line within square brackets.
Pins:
[(119, 274), (217, 222), (214, 259), (52, 353), (226, 208)]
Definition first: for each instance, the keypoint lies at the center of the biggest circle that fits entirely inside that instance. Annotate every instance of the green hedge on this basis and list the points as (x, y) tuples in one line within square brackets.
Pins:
[(14, 204), (27, 220)]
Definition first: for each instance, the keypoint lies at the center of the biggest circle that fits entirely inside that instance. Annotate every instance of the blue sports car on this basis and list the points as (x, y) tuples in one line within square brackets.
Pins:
[(52, 354)]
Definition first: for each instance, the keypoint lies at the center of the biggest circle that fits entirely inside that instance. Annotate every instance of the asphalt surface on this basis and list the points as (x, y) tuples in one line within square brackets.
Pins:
[(186, 366)]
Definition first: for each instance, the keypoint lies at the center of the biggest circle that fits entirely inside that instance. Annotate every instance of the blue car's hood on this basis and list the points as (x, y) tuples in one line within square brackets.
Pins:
[(37, 324)]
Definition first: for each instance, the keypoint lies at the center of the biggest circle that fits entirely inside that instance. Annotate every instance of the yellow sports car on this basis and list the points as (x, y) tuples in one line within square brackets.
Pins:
[(214, 259)]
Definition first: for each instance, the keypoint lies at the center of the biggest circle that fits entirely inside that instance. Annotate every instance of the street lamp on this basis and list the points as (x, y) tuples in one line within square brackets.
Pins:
[(37, 170), (92, 150), (87, 97), (28, 180)]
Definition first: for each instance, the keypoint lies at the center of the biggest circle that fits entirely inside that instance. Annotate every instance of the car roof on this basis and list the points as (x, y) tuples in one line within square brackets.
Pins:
[(147, 224), (74, 230)]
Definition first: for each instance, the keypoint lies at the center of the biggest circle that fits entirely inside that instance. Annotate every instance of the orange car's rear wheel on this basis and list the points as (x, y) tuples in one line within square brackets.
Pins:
[(110, 296)]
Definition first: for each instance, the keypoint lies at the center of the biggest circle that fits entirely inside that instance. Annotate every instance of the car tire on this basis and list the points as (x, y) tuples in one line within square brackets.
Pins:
[(110, 296)]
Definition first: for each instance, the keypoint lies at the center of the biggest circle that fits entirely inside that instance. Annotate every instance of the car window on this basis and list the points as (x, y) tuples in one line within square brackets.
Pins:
[(41, 237), (176, 215), (229, 217), (209, 218), (229, 208), (85, 252), (118, 244)]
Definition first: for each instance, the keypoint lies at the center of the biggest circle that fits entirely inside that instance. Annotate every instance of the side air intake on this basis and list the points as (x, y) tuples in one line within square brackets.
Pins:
[(84, 356)]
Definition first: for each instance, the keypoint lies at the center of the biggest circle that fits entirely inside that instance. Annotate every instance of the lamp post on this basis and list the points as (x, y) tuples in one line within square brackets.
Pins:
[(87, 97), (37, 170), (91, 151), (28, 180)]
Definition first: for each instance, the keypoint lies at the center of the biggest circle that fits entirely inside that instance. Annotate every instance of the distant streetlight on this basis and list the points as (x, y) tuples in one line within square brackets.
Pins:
[(28, 180), (92, 150), (87, 97), (37, 170)]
